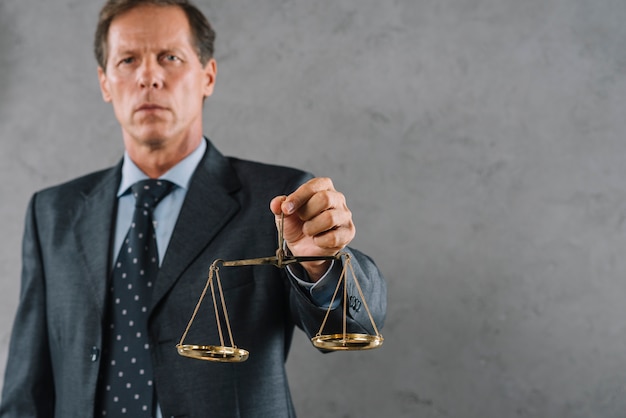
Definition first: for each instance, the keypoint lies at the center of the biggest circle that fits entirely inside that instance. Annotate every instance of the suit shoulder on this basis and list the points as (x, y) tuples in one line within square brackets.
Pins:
[(78, 187)]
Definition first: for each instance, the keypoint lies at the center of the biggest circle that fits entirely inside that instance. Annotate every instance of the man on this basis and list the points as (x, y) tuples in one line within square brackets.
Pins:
[(156, 69)]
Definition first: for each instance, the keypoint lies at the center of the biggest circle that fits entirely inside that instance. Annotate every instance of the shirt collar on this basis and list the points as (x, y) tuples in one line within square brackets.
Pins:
[(180, 174)]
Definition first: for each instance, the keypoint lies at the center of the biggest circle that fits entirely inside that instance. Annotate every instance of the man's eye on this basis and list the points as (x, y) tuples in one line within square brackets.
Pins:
[(128, 60), (171, 58)]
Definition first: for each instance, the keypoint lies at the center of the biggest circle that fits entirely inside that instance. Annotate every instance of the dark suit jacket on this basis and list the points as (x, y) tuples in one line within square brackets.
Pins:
[(54, 356)]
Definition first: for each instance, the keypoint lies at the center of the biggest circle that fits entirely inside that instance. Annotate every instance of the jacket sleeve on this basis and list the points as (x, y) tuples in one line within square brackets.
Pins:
[(373, 297), (28, 389)]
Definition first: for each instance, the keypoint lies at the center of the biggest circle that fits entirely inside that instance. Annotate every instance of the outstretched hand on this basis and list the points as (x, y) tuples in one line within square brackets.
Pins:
[(317, 222)]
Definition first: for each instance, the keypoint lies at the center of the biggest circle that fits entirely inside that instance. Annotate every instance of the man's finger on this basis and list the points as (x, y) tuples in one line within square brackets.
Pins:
[(302, 195), (276, 205)]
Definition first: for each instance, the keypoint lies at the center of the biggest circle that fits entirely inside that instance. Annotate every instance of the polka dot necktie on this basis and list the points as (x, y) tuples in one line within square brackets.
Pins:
[(126, 386)]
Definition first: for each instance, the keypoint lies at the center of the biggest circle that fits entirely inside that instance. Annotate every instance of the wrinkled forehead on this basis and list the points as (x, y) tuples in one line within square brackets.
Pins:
[(149, 26)]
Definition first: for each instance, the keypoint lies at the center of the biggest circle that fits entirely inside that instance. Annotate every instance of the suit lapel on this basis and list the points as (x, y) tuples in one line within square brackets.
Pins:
[(93, 232), (208, 207)]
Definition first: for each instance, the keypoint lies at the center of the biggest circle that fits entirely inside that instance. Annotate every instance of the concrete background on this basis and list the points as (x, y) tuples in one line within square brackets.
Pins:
[(480, 145)]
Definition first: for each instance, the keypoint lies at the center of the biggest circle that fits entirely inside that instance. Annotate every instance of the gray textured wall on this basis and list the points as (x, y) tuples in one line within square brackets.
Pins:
[(480, 144)]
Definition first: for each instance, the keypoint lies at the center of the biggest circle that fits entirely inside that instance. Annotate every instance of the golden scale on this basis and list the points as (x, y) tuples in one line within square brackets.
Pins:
[(232, 354)]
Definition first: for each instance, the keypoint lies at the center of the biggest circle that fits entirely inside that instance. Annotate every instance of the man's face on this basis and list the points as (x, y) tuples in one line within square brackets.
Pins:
[(154, 78)]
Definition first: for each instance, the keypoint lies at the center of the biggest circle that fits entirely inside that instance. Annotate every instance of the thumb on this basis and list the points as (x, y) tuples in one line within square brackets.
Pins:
[(276, 205)]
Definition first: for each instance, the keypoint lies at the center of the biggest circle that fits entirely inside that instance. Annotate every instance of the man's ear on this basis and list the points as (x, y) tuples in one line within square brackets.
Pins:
[(210, 72), (104, 85)]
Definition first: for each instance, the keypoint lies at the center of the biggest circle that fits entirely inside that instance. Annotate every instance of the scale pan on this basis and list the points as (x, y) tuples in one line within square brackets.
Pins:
[(218, 353), (347, 341)]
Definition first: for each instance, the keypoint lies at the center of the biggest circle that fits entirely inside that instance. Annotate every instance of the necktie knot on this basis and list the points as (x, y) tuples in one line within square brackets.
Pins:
[(148, 193)]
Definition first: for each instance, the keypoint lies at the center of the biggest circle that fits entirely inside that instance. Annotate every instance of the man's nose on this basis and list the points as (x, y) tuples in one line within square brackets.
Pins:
[(150, 74)]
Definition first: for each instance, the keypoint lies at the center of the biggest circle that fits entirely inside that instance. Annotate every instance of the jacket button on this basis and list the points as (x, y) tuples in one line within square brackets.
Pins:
[(95, 354)]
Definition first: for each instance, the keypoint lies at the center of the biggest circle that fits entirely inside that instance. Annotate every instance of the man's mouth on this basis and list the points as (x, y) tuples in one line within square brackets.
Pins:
[(149, 107)]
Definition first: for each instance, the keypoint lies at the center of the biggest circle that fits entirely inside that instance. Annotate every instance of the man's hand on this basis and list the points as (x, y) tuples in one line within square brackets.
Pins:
[(317, 222)]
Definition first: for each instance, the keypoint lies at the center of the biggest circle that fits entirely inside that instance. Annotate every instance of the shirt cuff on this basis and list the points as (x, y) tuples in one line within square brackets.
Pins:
[(320, 292)]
